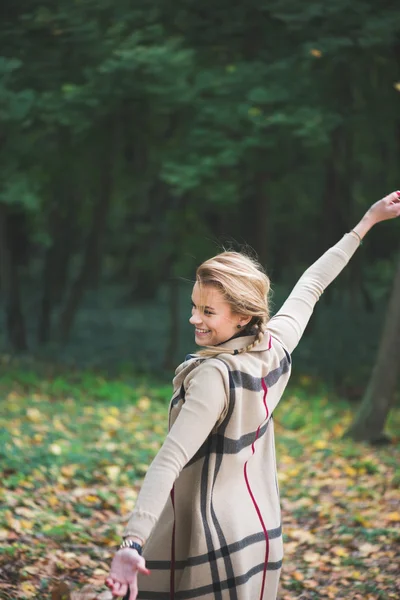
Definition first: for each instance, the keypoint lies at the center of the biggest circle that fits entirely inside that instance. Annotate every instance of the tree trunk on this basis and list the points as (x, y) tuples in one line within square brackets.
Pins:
[(260, 215), (93, 245), (56, 261), (15, 324), (174, 324), (370, 420), (254, 210)]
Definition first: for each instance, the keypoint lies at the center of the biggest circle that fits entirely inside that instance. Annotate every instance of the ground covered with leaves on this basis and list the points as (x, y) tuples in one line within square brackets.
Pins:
[(74, 448)]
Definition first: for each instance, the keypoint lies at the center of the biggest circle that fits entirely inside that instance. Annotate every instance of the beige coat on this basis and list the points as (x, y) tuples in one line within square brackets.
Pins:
[(208, 511)]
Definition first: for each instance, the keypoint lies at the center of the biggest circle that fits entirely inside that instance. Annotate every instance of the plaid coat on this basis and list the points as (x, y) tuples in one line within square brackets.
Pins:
[(209, 511)]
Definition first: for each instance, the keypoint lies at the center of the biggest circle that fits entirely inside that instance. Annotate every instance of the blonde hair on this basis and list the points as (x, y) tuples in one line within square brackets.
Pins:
[(245, 286)]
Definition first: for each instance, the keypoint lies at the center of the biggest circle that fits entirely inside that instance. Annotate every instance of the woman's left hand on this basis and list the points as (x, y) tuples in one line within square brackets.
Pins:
[(126, 565), (386, 208)]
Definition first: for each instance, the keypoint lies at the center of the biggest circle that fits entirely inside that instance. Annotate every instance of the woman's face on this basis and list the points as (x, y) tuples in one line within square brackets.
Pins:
[(212, 316)]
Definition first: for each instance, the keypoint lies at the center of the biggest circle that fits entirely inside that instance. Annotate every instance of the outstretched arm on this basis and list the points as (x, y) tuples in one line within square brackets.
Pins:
[(205, 402), (290, 321)]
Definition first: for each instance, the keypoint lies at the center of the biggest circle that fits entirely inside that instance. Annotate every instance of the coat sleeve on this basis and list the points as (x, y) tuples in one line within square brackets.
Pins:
[(290, 321), (205, 401)]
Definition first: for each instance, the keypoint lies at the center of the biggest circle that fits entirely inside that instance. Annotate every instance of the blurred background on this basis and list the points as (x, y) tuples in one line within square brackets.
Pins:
[(136, 140), (139, 138)]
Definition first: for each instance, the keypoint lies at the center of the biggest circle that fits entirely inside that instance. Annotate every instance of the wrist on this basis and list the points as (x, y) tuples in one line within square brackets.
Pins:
[(127, 543), (366, 223), (133, 538)]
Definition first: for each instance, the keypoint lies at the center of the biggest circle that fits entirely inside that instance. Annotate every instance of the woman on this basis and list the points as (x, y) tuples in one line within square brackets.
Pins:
[(208, 512)]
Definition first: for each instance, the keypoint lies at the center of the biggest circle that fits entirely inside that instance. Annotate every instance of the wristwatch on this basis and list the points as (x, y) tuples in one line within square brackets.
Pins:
[(131, 544)]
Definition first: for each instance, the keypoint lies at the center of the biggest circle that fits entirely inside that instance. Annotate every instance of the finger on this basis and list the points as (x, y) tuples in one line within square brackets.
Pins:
[(396, 197), (123, 589), (144, 570), (133, 588), (116, 589)]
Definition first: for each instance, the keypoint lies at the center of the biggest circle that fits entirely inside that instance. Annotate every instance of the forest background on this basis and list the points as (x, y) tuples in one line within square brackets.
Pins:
[(137, 140)]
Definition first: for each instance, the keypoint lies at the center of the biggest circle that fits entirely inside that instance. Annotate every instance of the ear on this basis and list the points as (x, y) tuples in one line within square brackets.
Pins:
[(243, 321)]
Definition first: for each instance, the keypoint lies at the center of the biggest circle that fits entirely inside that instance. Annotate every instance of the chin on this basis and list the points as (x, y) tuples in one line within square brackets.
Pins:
[(203, 342)]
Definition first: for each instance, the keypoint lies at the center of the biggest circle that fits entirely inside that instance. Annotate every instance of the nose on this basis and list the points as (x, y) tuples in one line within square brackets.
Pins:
[(195, 319)]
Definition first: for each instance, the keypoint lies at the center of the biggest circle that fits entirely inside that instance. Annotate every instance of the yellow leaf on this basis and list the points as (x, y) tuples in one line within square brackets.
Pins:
[(159, 429), (55, 449), (3, 534), (144, 403), (316, 53), (69, 470), (361, 520), (287, 459), (110, 422), (113, 472), (397, 86), (350, 471), (34, 415), (100, 572), (58, 425), (298, 576), (311, 557), (354, 575), (28, 589), (91, 498), (53, 500), (338, 429), (302, 535), (393, 516), (142, 467), (339, 551), (293, 472), (320, 444)]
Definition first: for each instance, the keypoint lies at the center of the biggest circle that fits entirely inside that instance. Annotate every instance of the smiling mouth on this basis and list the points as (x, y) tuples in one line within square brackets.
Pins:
[(202, 331)]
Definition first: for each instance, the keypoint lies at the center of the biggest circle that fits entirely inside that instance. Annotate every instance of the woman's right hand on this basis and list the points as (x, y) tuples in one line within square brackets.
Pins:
[(126, 565)]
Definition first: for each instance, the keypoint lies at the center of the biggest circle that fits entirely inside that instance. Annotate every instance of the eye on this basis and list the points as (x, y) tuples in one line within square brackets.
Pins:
[(207, 312)]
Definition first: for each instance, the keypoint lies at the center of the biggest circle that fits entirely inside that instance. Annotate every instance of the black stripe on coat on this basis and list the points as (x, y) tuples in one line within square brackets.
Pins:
[(255, 538), (208, 589)]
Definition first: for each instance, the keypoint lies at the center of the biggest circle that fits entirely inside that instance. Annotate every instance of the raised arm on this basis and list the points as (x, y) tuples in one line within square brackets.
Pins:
[(290, 321)]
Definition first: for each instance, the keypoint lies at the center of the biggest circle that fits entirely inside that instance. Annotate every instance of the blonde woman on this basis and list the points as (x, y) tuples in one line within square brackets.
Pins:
[(208, 515)]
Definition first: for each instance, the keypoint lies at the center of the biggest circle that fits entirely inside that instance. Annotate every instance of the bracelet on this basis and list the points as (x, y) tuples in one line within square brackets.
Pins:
[(131, 544), (359, 237)]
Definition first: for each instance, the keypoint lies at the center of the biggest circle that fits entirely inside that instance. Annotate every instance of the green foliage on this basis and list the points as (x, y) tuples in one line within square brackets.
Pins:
[(195, 121)]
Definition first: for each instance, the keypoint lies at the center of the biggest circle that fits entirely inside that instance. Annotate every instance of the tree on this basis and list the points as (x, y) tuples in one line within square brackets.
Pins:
[(378, 398)]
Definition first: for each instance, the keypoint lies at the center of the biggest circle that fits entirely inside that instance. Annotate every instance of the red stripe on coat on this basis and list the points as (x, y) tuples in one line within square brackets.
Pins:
[(252, 495)]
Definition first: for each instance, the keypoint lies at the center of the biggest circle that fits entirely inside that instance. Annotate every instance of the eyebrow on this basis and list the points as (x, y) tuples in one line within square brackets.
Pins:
[(209, 307)]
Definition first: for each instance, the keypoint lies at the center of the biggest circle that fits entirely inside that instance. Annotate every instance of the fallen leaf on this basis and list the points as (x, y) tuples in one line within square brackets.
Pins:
[(61, 592), (88, 592)]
